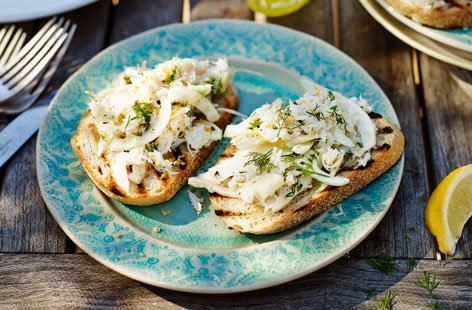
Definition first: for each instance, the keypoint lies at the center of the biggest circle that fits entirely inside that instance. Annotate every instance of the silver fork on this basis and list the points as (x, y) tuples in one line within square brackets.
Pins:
[(18, 77), (10, 43)]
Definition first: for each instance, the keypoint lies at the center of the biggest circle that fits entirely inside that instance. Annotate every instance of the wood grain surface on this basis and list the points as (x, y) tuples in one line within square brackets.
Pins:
[(45, 281), (25, 222), (448, 107), (436, 117), (389, 61)]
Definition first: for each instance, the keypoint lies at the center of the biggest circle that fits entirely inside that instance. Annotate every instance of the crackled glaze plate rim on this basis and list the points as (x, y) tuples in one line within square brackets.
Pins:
[(415, 39), (307, 267), (440, 35)]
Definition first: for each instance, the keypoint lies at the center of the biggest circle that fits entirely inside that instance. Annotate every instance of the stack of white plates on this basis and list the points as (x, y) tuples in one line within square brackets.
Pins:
[(452, 46)]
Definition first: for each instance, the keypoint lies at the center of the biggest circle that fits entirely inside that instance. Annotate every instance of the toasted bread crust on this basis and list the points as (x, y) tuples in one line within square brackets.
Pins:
[(143, 196), (248, 218), (456, 13)]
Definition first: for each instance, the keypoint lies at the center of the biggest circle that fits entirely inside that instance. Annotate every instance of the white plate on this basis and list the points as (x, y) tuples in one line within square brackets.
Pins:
[(21, 10), (459, 38), (415, 39)]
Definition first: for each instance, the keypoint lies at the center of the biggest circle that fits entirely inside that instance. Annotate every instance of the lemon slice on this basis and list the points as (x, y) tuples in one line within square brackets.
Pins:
[(276, 8), (449, 208)]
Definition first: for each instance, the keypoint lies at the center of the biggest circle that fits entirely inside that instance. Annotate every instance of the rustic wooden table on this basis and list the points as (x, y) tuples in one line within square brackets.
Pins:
[(41, 268)]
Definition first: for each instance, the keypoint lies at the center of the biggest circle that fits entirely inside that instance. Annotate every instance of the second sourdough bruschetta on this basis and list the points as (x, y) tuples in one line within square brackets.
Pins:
[(144, 135), (289, 162), (436, 13)]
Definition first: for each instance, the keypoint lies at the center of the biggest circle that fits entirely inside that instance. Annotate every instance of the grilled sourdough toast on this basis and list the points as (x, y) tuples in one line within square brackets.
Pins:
[(156, 187), (288, 162), (251, 218), (447, 14)]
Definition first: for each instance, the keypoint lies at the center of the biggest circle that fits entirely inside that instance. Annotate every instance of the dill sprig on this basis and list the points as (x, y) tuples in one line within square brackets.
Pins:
[(411, 263), (386, 303), (407, 233), (444, 263), (413, 172), (369, 293), (261, 161), (297, 187), (255, 124), (316, 114), (428, 282), (307, 169), (384, 264), (171, 75), (297, 124), (283, 113), (338, 117), (143, 111), (291, 157), (331, 96)]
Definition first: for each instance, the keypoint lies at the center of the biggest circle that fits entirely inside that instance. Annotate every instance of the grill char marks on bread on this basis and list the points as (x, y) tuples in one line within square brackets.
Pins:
[(252, 218), (452, 14)]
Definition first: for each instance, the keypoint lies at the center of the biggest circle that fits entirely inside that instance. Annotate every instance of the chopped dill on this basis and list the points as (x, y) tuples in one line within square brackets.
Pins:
[(307, 169), (445, 262), (261, 161), (407, 233), (331, 96), (127, 79), (171, 75), (296, 188), (127, 122), (384, 264), (413, 172), (151, 146), (411, 263), (291, 157), (256, 124), (348, 156), (428, 282), (369, 293), (338, 117), (294, 125), (216, 86), (143, 111), (318, 115), (436, 306), (283, 113), (386, 303)]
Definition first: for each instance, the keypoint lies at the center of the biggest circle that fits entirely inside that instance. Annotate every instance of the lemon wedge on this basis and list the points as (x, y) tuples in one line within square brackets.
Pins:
[(449, 208), (276, 8)]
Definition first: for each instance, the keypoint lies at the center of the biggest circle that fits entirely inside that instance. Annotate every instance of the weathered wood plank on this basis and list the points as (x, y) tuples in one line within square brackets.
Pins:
[(314, 18), (80, 282), (134, 16), (388, 60), (448, 97), (25, 223)]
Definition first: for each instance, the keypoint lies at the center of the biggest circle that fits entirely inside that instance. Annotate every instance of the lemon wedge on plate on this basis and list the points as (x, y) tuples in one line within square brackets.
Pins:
[(276, 8), (449, 208)]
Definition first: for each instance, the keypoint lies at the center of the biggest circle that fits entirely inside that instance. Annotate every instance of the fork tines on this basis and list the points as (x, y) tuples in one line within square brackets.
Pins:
[(31, 60), (10, 42)]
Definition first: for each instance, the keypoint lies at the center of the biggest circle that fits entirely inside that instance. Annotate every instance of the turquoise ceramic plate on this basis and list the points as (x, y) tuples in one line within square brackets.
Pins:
[(460, 38), (198, 253)]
